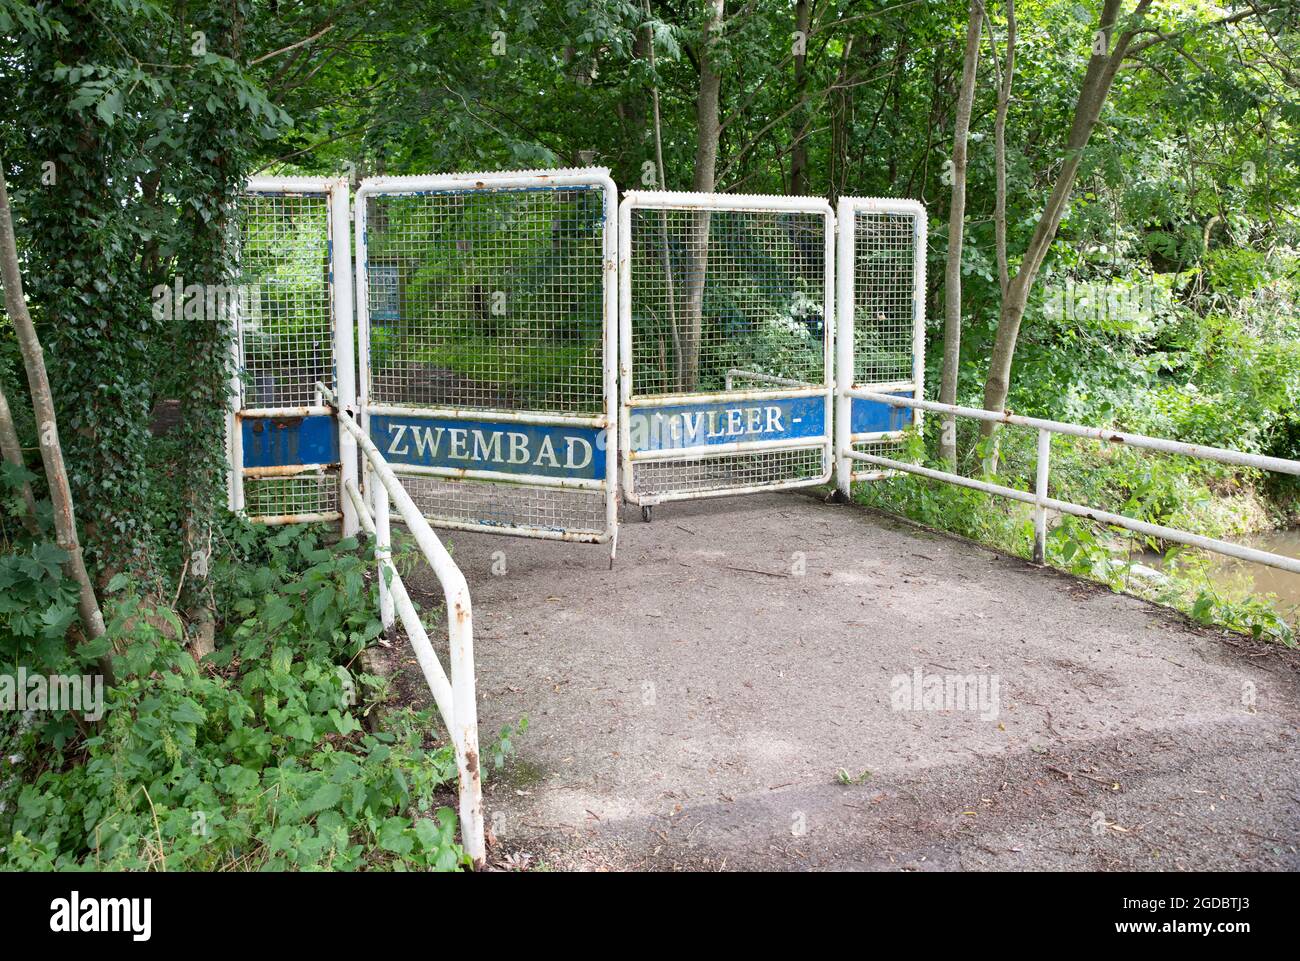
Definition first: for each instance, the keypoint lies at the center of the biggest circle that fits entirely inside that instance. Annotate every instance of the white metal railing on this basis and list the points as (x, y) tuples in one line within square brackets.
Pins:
[(455, 696), (1042, 503)]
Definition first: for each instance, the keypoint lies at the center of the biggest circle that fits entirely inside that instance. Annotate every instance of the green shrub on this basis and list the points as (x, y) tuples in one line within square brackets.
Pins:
[(255, 759)]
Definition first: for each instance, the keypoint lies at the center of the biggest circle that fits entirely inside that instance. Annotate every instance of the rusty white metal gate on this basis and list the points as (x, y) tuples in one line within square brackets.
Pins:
[(489, 314), (292, 305), (726, 314), (881, 338), (486, 309)]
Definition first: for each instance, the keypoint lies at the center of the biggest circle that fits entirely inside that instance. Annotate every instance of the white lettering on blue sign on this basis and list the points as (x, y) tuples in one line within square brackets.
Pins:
[(709, 424), (425, 442), (510, 448)]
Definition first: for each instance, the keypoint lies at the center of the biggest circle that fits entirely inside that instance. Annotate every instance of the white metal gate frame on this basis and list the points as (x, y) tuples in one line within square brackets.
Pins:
[(780, 389), (846, 373), (339, 283), (607, 422)]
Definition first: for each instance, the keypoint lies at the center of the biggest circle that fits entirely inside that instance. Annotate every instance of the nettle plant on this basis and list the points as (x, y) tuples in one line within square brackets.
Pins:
[(257, 758)]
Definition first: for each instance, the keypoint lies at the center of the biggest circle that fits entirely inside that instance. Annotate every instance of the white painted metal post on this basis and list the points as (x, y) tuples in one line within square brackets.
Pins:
[(844, 374), (625, 347), (345, 368), (1040, 494), (460, 624), (919, 234), (610, 355), (234, 426), (383, 548)]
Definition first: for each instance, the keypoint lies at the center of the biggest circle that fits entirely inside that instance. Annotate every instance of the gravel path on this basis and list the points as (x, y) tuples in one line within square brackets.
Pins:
[(703, 704)]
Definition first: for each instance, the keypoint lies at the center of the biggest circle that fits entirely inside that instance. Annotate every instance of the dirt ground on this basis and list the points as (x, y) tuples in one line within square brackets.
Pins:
[(736, 694)]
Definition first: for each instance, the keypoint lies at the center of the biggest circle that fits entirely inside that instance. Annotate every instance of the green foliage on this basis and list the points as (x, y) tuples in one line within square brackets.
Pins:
[(1252, 615), (133, 143), (1152, 488), (258, 758)]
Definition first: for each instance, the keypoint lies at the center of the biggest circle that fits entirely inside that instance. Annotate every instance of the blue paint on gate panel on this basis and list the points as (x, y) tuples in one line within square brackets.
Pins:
[(709, 424), (504, 447), (871, 416), (285, 441)]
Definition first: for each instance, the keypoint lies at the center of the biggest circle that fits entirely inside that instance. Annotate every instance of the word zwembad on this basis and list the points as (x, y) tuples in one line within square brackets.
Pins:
[(540, 450)]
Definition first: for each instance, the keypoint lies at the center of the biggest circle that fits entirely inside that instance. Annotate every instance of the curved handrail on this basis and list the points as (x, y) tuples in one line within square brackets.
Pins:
[(456, 699)]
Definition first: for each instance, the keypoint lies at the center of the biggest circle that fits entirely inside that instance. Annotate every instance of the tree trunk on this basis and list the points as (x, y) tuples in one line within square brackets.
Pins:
[(1100, 75), (956, 226), (56, 474), (841, 110), (665, 248), (12, 449), (1000, 146), (799, 125), (208, 198), (708, 133)]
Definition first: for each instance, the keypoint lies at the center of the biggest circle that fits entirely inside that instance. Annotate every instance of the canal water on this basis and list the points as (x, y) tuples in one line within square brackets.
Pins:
[(1232, 577)]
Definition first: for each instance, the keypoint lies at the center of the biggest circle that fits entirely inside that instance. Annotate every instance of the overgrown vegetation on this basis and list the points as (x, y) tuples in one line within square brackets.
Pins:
[(258, 758), (1137, 484)]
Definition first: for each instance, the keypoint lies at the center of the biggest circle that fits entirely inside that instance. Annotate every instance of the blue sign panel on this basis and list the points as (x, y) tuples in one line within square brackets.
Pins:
[(505, 447), (288, 441), (709, 424), (872, 417)]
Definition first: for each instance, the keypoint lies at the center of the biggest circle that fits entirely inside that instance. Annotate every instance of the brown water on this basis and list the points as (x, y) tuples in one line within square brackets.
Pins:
[(1233, 577)]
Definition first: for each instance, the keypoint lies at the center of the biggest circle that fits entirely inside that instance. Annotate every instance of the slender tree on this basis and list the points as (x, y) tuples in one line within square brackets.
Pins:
[(1110, 44), (708, 134), (47, 427), (801, 116), (956, 224)]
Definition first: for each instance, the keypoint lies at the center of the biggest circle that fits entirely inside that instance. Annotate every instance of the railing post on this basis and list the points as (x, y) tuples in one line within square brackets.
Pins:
[(844, 358), (465, 712), (383, 550), (345, 377), (1040, 495)]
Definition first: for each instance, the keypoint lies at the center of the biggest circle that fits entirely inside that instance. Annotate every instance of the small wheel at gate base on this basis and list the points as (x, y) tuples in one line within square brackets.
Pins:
[(645, 514)]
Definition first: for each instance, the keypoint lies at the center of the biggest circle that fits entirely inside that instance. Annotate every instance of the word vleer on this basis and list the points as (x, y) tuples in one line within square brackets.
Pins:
[(487, 446)]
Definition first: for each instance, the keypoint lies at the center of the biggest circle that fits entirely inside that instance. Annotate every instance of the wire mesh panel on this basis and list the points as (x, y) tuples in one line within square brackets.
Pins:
[(287, 314), (486, 323), (884, 291), (726, 318), (881, 299), (287, 328)]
